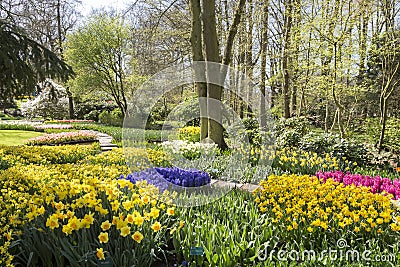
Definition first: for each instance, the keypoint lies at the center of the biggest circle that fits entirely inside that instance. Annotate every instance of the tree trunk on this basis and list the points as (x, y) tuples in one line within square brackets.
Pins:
[(285, 58), (263, 73), (69, 93), (339, 106), (215, 129), (383, 122), (197, 54), (249, 52)]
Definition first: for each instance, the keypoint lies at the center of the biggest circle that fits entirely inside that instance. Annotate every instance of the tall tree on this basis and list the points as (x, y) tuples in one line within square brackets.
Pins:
[(288, 22), (211, 51), (197, 55), (98, 52)]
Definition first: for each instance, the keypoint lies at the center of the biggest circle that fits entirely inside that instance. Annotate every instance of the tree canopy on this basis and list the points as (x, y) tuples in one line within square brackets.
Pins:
[(99, 53)]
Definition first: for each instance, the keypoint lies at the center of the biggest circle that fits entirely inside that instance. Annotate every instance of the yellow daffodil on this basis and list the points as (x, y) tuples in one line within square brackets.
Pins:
[(103, 237), (137, 236)]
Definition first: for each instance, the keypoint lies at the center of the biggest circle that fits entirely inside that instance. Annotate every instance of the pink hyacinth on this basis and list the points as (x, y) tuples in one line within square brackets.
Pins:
[(377, 184)]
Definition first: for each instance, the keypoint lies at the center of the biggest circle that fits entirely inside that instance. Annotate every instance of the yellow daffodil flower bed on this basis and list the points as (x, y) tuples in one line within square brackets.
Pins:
[(77, 214), (304, 162), (189, 133), (304, 206), (47, 154)]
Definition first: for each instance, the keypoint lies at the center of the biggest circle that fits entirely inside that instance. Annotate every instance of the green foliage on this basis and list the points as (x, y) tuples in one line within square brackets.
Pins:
[(98, 52), (16, 126), (24, 62), (289, 131), (115, 132), (235, 231), (351, 150), (91, 108), (301, 125), (113, 118), (318, 142), (332, 144), (288, 139), (252, 130), (4, 164), (392, 134)]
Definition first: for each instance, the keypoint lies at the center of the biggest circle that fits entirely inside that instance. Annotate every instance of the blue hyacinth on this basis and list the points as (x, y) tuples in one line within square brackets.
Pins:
[(161, 176)]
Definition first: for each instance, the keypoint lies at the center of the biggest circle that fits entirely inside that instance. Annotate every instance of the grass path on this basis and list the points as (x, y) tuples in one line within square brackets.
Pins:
[(16, 137)]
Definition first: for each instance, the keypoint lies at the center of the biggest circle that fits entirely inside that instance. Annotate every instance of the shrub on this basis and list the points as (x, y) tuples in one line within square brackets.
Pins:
[(288, 139), (252, 130), (51, 102), (90, 109), (113, 118), (318, 142), (301, 125), (351, 150), (347, 149)]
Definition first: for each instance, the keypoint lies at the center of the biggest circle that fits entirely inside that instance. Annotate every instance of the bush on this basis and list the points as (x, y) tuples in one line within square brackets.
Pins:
[(252, 130), (318, 142), (91, 109), (351, 150), (348, 149), (288, 139), (51, 102), (113, 118), (301, 125), (289, 132)]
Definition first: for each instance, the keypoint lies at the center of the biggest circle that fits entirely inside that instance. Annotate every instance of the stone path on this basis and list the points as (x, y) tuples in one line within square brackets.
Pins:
[(105, 141), (246, 187)]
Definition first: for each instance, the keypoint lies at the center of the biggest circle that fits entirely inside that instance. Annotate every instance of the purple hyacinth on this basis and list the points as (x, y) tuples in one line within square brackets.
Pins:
[(161, 176)]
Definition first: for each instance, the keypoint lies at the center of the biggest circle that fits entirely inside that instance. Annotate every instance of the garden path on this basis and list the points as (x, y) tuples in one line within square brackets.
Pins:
[(246, 187), (105, 141)]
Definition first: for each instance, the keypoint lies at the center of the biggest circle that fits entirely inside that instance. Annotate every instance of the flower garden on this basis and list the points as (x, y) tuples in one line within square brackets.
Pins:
[(72, 205)]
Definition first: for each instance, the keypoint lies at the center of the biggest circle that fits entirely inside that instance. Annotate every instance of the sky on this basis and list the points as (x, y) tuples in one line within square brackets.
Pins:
[(88, 5)]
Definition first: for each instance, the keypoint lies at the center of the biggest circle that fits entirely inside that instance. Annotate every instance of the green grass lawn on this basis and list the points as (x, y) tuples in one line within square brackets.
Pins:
[(16, 137)]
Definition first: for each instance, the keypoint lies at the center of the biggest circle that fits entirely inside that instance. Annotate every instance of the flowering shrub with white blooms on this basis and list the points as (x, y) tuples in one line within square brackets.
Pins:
[(51, 102)]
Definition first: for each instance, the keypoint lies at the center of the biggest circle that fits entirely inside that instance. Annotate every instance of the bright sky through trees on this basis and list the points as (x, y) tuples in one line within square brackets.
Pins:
[(88, 5)]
